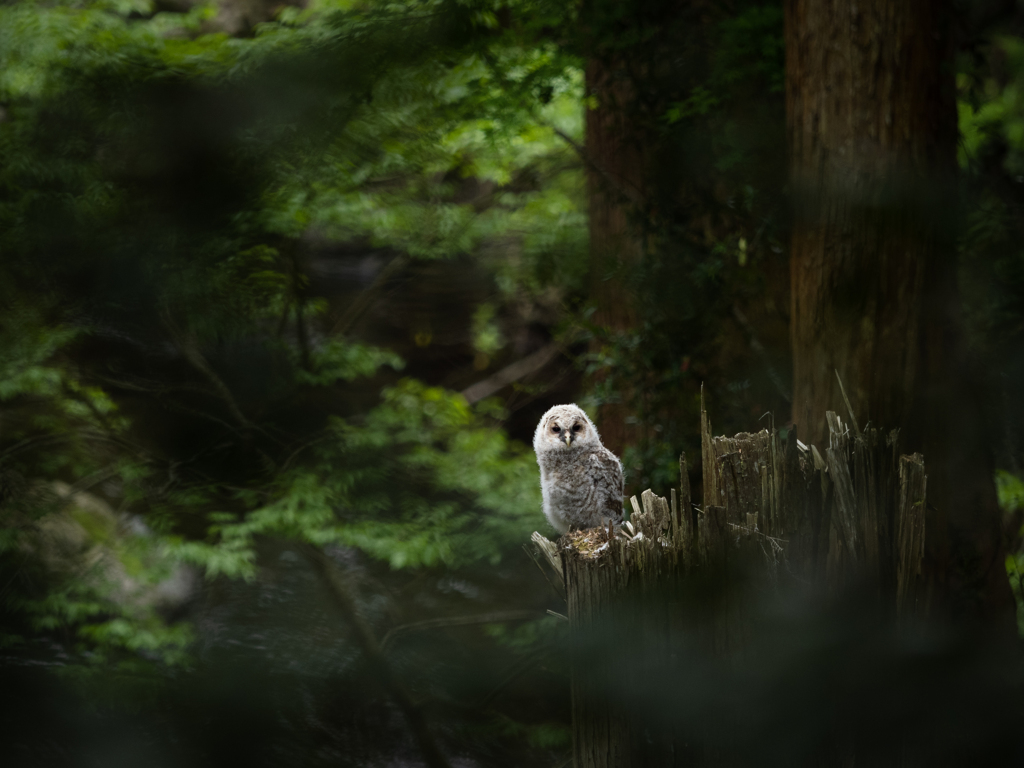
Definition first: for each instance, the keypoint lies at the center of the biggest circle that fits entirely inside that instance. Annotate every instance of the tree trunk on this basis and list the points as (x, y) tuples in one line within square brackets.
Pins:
[(870, 99), (615, 172), (660, 618)]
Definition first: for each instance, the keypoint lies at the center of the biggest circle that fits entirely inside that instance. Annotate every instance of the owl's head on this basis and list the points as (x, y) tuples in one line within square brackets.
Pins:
[(563, 428)]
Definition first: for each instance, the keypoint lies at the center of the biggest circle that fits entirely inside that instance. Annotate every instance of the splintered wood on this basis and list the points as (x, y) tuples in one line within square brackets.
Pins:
[(850, 512), (775, 513), (910, 534)]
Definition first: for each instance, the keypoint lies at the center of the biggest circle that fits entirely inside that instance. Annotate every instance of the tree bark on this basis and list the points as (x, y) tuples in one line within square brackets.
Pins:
[(675, 592), (615, 171), (870, 100)]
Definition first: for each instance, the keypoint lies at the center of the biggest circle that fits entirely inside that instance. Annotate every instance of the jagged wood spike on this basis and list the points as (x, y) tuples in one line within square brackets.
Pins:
[(910, 532), (685, 507), (775, 511), (849, 408), (549, 550)]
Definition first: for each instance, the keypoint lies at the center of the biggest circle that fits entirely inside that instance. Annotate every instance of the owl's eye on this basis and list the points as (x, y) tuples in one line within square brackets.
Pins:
[(556, 430), (577, 427)]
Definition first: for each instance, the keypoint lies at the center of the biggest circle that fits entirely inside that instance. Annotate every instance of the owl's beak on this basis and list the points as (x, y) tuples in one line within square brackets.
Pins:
[(568, 438)]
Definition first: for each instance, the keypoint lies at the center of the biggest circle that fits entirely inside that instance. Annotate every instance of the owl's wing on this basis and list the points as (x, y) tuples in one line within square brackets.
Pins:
[(606, 475)]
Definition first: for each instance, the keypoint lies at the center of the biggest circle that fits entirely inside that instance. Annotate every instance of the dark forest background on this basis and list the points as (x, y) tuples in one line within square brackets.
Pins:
[(283, 279)]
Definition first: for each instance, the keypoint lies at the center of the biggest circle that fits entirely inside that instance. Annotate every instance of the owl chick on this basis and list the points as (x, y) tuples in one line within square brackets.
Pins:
[(580, 479)]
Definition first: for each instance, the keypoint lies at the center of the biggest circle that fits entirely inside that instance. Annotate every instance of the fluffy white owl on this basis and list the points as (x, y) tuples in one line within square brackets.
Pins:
[(580, 479)]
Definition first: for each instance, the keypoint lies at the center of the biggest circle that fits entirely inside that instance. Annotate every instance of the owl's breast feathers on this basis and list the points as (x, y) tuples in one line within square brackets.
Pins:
[(608, 483), (582, 488)]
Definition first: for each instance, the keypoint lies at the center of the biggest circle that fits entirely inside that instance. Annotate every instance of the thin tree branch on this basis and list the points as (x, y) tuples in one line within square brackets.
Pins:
[(499, 617), (758, 347), (202, 415), (520, 398), (190, 349), (630, 194), (346, 604), (186, 344), (90, 481), (303, 336), (513, 671), (161, 392), (365, 299), (511, 373), (140, 385), (324, 434), (30, 442)]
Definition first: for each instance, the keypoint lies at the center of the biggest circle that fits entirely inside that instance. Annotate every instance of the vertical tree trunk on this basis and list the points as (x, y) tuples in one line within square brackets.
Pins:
[(870, 98), (615, 171)]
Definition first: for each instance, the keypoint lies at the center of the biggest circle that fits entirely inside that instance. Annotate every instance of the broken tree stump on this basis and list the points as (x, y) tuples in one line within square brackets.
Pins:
[(680, 578)]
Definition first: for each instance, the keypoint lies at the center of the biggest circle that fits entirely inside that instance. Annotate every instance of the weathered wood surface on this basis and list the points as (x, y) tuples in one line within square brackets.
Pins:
[(776, 514), (839, 514), (614, 581), (911, 597)]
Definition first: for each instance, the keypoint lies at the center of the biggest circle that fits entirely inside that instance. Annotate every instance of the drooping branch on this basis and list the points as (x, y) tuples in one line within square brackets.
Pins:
[(498, 617), (511, 373), (344, 601), (189, 349), (761, 352), (302, 334), (365, 300), (628, 193)]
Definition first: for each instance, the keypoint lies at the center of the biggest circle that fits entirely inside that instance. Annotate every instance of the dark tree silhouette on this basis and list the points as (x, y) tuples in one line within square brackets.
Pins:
[(870, 96)]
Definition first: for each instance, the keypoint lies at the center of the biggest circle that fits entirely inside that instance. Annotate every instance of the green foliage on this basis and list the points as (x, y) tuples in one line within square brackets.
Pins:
[(69, 568), (422, 481), (1015, 572), (752, 52), (165, 221), (173, 389), (991, 118), (993, 110), (544, 735), (1010, 491), (487, 336), (337, 360), (709, 106), (28, 347)]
